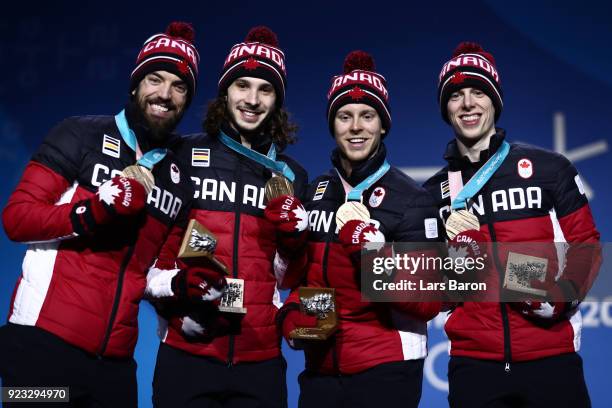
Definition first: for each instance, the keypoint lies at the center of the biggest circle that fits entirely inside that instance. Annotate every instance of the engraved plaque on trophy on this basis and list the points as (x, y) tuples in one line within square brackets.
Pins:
[(521, 270), (321, 303), (142, 175), (200, 242), (233, 297), (277, 186)]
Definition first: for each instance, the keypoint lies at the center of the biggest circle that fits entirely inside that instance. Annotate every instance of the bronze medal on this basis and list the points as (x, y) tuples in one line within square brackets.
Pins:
[(142, 175), (351, 210), (459, 221), (277, 186)]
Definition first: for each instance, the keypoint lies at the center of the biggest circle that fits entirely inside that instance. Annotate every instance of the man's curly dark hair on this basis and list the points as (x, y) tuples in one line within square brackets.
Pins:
[(278, 126)]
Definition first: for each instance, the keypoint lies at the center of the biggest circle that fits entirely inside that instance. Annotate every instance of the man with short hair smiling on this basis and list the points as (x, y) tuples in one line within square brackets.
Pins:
[(375, 358), (96, 202), (522, 353), (207, 356)]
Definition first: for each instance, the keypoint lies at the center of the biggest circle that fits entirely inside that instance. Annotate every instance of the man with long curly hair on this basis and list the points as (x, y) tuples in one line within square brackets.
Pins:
[(215, 357)]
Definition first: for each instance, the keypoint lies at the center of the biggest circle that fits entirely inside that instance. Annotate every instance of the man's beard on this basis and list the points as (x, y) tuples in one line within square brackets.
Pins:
[(158, 130)]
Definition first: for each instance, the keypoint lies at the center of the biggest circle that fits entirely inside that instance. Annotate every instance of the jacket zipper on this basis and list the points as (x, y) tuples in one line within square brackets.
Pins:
[(334, 351), (117, 299), (502, 305), (239, 187)]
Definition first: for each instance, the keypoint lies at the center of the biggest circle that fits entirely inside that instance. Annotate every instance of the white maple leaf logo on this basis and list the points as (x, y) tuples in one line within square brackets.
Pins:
[(108, 191), (457, 252), (191, 328), (374, 239), (302, 218), (545, 311)]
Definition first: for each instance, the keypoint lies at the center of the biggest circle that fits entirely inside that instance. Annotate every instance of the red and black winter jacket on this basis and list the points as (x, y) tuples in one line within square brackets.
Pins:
[(229, 201), (368, 333), (86, 289), (536, 196)]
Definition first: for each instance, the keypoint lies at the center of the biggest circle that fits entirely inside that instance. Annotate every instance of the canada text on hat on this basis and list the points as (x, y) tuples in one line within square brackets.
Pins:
[(359, 77), (259, 57), (172, 51), (467, 60), (470, 66), (359, 84), (257, 50)]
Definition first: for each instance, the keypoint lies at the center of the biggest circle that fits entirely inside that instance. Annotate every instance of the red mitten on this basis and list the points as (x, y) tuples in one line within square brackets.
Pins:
[(197, 327), (198, 284), (355, 233), (119, 196), (560, 299), (424, 311), (291, 221), (287, 213), (469, 244)]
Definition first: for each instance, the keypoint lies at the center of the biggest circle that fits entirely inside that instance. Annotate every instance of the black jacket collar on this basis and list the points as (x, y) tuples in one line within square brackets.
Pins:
[(363, 169), (456, 161), (261, 145)]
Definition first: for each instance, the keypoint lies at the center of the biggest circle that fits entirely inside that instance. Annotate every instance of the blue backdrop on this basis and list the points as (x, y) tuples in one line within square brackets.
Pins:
[(62, 59)]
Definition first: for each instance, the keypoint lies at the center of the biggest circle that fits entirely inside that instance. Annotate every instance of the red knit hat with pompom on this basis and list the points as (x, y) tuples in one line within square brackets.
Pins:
[(172, 51), (258, 57), (359, 84), (470, 66)]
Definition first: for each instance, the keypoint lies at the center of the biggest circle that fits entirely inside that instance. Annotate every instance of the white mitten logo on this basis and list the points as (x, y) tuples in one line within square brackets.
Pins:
[(302, 218), (108, 192)]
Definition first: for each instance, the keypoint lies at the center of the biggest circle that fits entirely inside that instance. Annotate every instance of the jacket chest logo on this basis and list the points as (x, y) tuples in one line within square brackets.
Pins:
[(525, 168), (320, 191), (175, 174), (111, 146), (445, 189), (200, 157), (377, 196)]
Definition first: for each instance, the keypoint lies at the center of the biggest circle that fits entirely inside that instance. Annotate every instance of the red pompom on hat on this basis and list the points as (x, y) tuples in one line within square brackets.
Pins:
[(468, 47), (360, 83), (258, 57), (181, 30), (172, 51), (359, 60), (262, 34), (470, 66)]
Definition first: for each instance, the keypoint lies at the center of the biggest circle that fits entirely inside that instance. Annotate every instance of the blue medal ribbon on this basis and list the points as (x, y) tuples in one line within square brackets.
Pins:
[(268, 161), (357, 191), (148, 159), (480, 178)]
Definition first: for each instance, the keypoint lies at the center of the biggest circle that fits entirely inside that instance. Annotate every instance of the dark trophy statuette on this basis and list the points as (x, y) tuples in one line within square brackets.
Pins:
[(200, 242)]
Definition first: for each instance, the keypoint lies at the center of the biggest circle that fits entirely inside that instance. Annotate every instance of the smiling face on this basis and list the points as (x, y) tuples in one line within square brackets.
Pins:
[(249, 103), (357, 130), (161, 97), (472, 115)]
